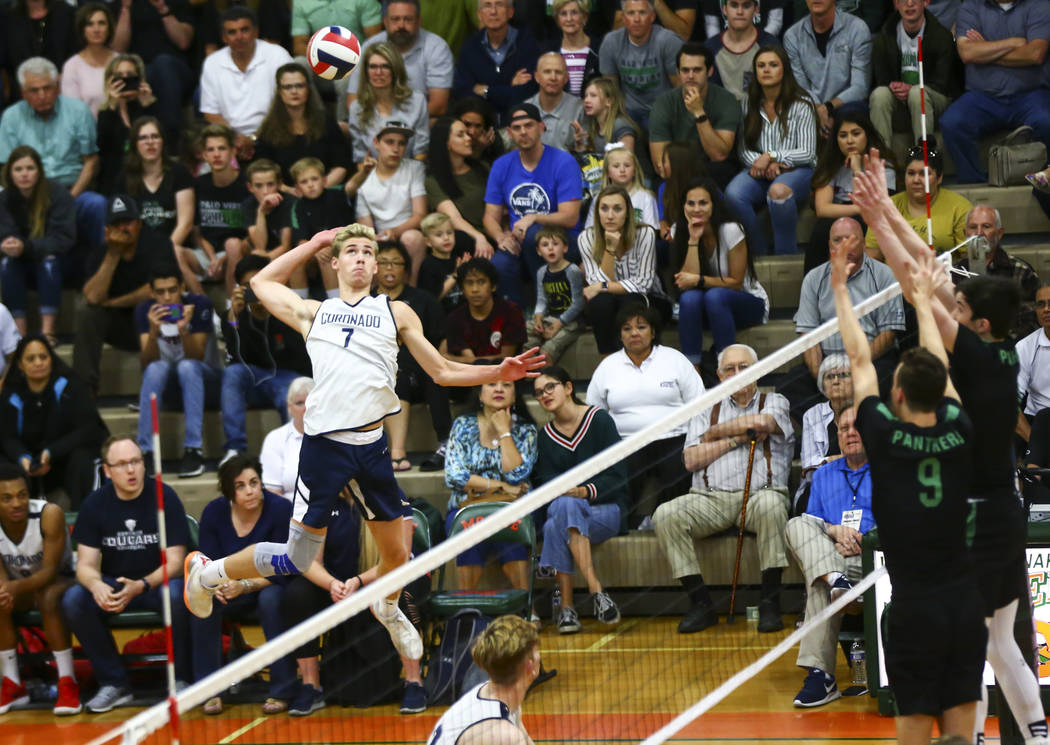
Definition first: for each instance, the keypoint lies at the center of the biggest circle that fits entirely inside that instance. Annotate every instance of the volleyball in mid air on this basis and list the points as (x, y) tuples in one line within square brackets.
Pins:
[(333, 52)]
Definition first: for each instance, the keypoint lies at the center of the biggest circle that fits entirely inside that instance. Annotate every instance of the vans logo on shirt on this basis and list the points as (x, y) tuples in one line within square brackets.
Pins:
[(528, 199)]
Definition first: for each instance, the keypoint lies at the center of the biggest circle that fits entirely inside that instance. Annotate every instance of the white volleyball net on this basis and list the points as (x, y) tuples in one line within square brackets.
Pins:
[(637, 680)]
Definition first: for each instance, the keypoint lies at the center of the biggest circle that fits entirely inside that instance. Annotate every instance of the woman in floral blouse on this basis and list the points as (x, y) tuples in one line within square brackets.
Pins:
[(490, 456)]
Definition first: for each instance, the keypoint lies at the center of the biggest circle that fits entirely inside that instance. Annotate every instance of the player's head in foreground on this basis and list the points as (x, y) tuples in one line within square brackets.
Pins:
[(508, 650), (918, 383), (354, 251)]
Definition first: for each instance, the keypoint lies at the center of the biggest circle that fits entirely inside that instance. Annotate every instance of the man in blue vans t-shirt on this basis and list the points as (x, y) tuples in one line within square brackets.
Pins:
[(537, 185)]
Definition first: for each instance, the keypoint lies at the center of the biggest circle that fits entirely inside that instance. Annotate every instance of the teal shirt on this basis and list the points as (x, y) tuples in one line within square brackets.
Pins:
[(63, 140), (310, 15)]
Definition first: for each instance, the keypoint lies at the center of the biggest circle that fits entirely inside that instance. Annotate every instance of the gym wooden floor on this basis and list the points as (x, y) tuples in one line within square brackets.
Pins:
[(613, 686)]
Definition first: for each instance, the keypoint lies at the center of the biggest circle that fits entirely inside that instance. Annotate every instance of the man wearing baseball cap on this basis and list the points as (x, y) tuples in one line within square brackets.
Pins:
[(535, 186), (118, 273), (391, 192)]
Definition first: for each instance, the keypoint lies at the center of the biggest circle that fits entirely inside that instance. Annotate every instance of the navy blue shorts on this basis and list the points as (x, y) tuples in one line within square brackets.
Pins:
[(327, 467)]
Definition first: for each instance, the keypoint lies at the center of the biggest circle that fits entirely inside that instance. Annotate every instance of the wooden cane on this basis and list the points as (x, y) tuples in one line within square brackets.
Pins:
[(740, 534)]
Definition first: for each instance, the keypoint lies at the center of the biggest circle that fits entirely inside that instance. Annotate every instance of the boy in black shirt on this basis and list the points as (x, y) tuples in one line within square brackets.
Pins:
[(974, 323), (268, 216), (264, 355), (318, 209), (437, 272), (920, 455), (219, 215)]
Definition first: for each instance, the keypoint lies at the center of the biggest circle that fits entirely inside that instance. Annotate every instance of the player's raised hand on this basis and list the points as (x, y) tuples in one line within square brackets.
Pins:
[(839, 265), (925, 275), (525, 365)]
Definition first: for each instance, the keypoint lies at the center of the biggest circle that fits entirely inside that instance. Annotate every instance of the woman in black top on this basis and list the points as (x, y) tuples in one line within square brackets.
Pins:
[(456, 184), (162, 186), (128, 96), (48, 420), (37, 226), (297, 126)]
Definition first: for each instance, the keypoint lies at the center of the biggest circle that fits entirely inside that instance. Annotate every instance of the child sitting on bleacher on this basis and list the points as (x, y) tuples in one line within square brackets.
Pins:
[(437, 273), (317, 209), (556, 322)]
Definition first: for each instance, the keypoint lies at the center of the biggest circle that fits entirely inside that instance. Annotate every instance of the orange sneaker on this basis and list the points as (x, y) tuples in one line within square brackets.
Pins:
[(12, 694), (68, 697)]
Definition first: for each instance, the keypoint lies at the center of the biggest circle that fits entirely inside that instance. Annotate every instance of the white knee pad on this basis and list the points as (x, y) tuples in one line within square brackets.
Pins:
[(293, 557)]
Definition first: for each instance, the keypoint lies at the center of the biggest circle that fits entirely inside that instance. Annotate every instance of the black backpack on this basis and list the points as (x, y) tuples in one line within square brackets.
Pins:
[(451, 670), (359, 665)]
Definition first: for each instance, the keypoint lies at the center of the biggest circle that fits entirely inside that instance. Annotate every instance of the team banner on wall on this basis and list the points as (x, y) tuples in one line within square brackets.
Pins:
[(1038, 584)]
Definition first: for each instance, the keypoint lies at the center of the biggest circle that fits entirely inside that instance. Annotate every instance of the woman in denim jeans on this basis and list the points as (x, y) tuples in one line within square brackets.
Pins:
[(37, 226), (779, 149), (714, 273)]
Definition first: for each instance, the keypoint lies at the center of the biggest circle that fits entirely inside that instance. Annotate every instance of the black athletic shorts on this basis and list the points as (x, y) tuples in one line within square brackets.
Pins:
[(935, 647), (998, 553)]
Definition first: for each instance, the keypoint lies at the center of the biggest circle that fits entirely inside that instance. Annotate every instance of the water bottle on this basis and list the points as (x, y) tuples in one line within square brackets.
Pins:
[(860, 663), (555, 604)]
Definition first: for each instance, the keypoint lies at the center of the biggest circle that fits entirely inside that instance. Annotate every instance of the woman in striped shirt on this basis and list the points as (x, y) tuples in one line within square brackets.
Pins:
[(779, 149), (619, 266)]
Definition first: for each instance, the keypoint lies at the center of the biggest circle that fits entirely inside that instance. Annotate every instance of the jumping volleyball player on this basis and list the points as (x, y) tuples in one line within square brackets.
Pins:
[(974, 323), (921, 462), (352, 341)]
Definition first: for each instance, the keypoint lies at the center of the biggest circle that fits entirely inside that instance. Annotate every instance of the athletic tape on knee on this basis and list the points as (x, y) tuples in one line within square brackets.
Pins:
[(293, 557)]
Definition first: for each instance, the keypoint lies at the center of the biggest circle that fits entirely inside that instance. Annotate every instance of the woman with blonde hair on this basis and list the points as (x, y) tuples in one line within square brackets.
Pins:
[(383, 96), (604, 118), (127, 97)]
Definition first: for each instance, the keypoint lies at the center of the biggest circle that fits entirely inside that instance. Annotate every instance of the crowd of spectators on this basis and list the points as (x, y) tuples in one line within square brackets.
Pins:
[(530, 170)]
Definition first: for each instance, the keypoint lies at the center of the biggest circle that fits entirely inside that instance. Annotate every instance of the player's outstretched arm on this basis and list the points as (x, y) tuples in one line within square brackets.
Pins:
[(899, 243), (449, 373), (865, 382), (270, 284), (925, 276)]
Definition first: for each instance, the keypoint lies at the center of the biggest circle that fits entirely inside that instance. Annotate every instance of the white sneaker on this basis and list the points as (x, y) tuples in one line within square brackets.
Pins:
[(406, 638), (231, 453), (197, 597)]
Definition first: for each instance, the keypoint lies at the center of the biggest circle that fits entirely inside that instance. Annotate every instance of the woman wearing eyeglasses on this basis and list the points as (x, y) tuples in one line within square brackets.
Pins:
[(297, 126), (947, 208), (587, 514), (819, 441), (384, 96), (48, 420), (163, 188)]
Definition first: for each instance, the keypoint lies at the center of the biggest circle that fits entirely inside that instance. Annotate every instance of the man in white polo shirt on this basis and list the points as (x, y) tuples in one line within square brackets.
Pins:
[(428, 59), (717, 444), (237, 82)]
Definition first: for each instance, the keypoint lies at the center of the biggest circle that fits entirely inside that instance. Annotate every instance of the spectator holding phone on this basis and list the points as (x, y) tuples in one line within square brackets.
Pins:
[(127, 97), (180, 360)]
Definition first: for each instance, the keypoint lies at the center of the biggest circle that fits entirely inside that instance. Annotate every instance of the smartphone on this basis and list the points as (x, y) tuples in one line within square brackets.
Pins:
[(174, 313), (250, 296), (131, 82)]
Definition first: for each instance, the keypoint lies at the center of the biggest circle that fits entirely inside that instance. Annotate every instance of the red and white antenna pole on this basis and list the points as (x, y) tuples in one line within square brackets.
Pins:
[(925, 150), (173, 704)]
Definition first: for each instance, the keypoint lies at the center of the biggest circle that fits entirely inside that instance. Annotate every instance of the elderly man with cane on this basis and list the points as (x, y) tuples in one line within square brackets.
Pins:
[(717, 449)]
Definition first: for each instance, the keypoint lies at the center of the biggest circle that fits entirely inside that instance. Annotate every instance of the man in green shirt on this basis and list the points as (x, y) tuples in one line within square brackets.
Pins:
[(697, 111)]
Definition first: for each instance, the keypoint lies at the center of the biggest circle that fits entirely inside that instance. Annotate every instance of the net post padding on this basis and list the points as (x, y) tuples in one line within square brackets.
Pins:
[(137, 728)]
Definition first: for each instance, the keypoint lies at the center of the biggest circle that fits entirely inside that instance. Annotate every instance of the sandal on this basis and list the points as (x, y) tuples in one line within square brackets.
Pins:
[(400, 464), (274, 706), (213, 706), (1039, 181)]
